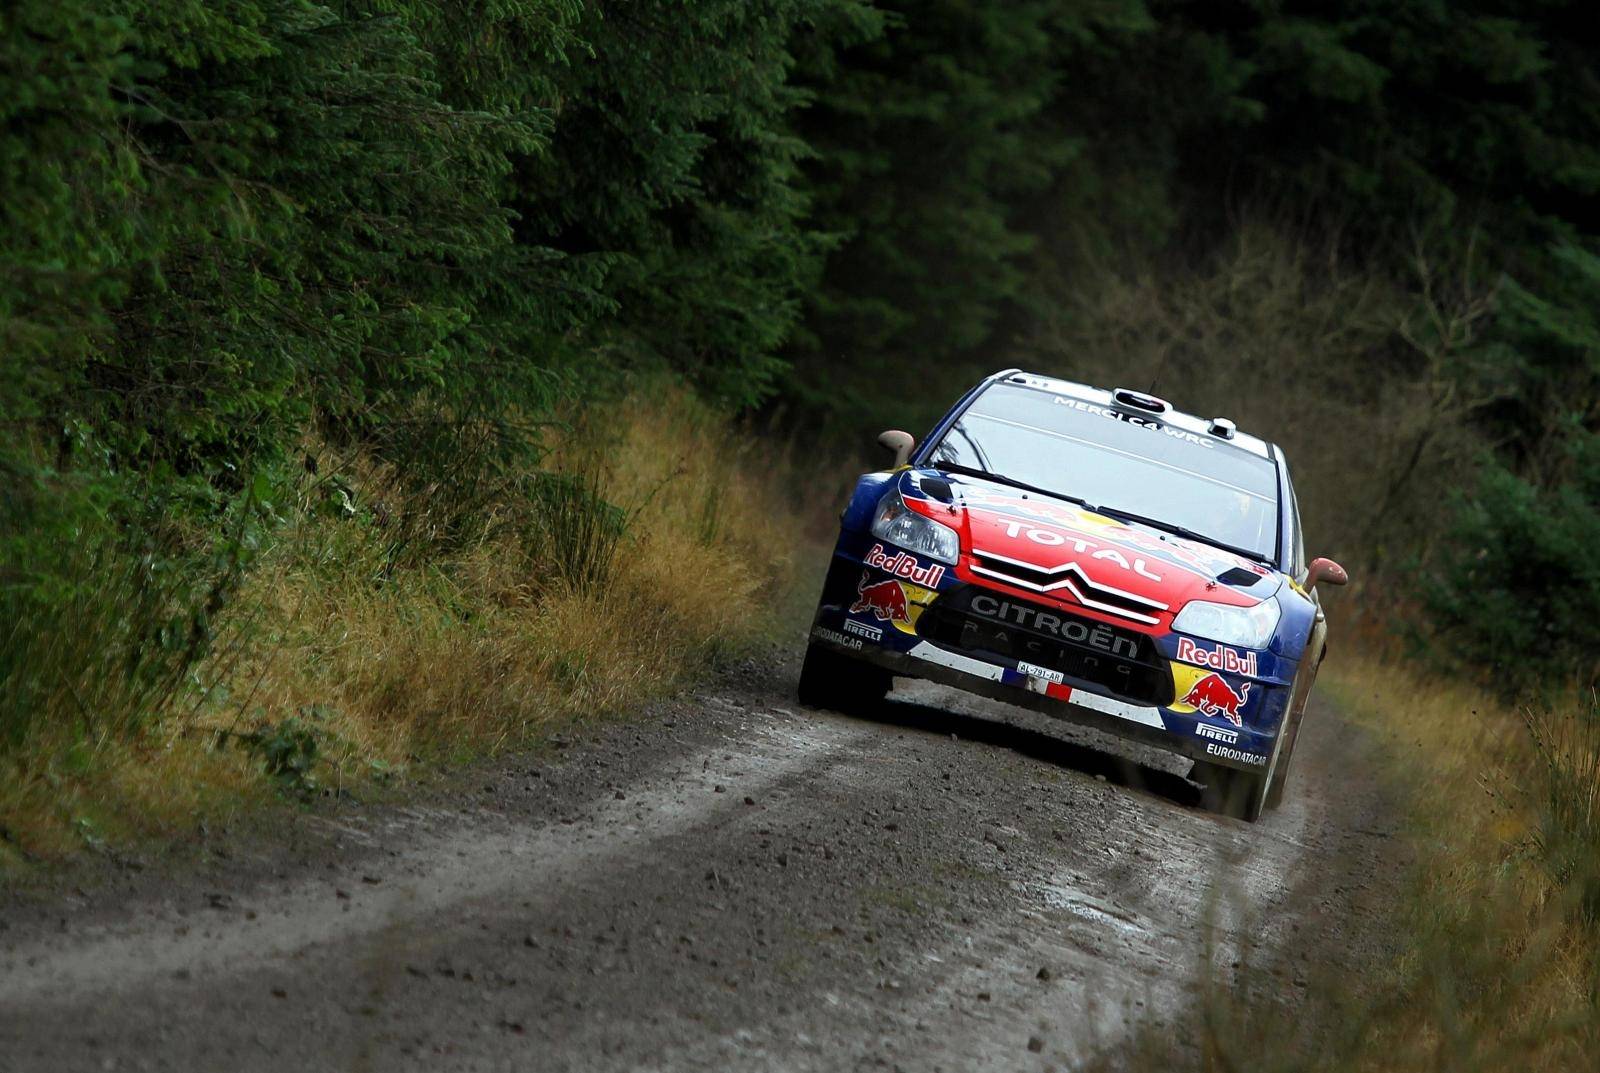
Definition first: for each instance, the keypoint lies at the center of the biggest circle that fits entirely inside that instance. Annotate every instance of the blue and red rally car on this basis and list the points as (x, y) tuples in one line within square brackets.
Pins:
[(1095, 555)]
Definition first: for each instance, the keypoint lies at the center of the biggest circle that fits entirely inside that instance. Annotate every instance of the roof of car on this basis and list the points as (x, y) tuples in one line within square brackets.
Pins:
[(1170, 416)]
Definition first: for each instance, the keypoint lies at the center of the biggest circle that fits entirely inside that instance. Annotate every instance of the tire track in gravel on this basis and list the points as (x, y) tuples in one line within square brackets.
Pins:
[(440, 872), (736, 883), (1120, 935)]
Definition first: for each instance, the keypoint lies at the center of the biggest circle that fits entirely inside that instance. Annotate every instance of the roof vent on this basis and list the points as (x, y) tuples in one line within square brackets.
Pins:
[(1221, 426), (1124, 399)]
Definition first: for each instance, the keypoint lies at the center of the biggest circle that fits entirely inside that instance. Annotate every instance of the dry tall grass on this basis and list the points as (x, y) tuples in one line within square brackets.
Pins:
[(1502, 965), (493, 643), (349, 655)]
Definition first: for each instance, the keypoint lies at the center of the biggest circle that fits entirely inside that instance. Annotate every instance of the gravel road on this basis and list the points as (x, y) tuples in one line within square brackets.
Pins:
[(726, 882)]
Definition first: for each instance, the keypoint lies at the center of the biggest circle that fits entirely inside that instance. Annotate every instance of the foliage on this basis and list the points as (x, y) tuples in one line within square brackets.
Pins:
[(230, 227), (933, 128), (1517, 592), (673, 163), (1392, 114), (288, 751), (645, 545), (101, 628), (221, 236), (1517, 595), (1273, 333)]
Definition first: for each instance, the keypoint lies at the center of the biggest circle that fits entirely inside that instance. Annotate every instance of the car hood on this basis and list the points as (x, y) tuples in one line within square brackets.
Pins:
[(1052, 550)]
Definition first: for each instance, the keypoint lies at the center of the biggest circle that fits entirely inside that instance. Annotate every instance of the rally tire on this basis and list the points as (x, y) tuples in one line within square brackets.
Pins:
[(831, 680), (1230, 792)]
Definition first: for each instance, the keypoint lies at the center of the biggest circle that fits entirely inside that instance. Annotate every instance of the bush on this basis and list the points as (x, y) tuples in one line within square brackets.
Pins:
[(107, 603), (1517, 594)]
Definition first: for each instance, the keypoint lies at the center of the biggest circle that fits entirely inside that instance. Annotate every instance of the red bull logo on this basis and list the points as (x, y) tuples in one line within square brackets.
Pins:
[(904, 564), (886, 600), (1221, 658), (1212, 696)]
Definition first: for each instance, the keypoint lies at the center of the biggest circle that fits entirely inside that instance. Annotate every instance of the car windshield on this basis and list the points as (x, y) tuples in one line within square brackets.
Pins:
[(1122, 463)]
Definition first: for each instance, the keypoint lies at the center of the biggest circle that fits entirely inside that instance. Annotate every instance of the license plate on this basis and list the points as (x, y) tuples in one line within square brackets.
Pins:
[(1041, 672)]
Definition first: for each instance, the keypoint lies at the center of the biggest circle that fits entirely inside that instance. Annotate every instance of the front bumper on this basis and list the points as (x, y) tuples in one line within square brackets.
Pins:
[(878, 616)]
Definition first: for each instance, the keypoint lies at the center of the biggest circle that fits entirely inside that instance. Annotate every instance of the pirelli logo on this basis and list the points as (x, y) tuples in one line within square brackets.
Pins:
[(861, 629), (1222, 734)]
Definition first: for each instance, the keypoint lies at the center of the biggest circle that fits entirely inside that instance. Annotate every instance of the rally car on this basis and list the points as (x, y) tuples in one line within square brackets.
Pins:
[(1092, 554)]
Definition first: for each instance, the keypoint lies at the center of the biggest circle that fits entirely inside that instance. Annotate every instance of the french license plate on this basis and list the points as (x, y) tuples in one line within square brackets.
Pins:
[(1041, 672)]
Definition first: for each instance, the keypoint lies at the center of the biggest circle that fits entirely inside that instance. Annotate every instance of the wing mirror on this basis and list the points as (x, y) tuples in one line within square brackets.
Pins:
[(1325, 570), (900, 443)]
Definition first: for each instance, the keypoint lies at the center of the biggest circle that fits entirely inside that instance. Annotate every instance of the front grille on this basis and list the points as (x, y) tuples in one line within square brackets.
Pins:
[(1069, 580), (977, 620)]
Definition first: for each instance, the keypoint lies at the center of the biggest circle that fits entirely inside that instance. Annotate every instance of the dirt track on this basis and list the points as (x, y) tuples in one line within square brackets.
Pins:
[(731, 882)]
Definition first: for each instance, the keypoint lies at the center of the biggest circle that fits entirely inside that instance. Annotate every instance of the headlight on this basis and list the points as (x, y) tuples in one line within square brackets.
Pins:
[(899, 524), (1246, 627)]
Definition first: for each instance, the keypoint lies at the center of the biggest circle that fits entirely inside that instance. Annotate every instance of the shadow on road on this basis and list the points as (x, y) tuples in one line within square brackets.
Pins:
[(1037, 745)]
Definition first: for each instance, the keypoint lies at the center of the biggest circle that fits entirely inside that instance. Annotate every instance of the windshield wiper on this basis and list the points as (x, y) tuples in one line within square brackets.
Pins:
[(974, 471), (1178, 530)]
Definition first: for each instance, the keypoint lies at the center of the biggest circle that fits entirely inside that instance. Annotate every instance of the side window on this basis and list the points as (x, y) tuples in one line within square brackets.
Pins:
[(1293, 539), (1297, 547)]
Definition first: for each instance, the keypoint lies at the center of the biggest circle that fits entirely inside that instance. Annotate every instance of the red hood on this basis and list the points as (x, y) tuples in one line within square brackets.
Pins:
[(1050, 551)]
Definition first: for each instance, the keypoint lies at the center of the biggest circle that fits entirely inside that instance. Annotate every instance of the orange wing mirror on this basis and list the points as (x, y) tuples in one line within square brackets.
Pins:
[(1325, 570), (901, 443)]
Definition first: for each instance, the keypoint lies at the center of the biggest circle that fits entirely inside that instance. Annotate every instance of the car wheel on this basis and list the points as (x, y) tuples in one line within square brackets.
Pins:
[(831, 680), (1231, 792)]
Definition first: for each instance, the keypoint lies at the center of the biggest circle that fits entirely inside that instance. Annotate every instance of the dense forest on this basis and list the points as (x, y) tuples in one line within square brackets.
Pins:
[(429, 230)]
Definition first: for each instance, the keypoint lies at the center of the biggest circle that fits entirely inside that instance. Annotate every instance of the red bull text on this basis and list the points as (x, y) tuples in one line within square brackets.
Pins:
[(903, 564), (1222, 658)]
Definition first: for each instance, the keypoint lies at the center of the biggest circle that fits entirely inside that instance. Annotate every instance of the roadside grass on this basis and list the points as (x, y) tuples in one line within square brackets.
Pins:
[(662, 553), (1500, 965), (88, 677), (1496, 939), (653, 541)]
